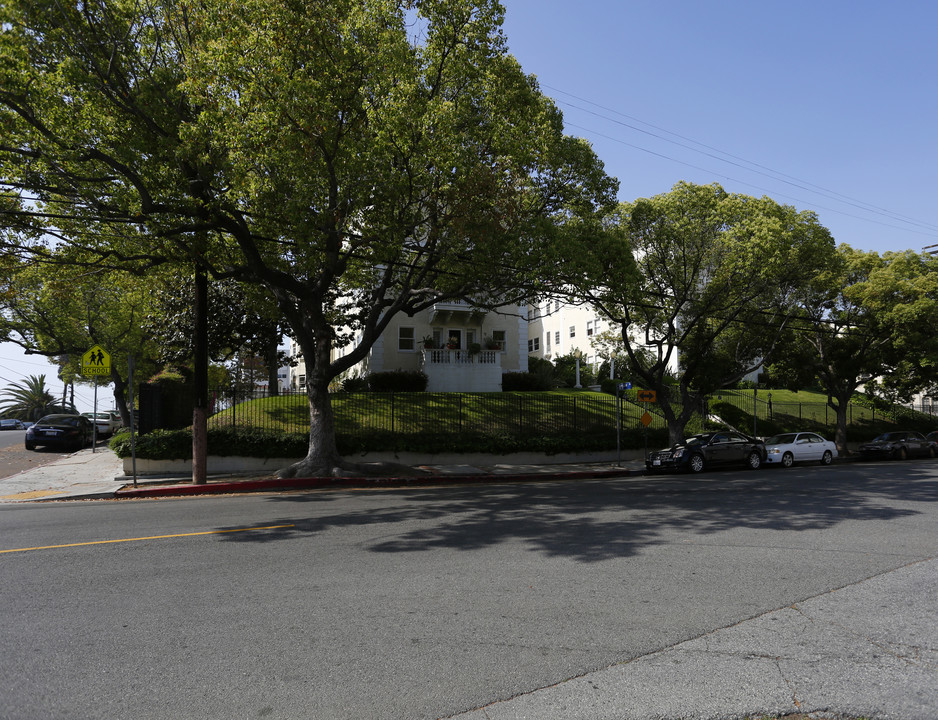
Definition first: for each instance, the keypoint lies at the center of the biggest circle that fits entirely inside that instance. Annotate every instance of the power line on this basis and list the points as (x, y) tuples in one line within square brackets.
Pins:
[(928, 229)]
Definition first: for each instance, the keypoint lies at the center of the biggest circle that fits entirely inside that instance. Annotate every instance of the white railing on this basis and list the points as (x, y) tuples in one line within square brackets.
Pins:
[(460, 357)]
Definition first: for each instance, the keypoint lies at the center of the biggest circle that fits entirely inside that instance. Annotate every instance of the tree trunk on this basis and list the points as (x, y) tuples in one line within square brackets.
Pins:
[(840, 433), (120, 395), (200, 380), (322, 458)]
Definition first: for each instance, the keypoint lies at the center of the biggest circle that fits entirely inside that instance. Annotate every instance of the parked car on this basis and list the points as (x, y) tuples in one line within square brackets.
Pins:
[(699, 452), (788, 448), (899, 445), (108, 422), (71, 432), (932, 436), (12, 424)]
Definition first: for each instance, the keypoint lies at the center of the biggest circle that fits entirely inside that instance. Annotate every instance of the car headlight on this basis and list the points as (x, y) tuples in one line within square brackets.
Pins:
[(773, 451)]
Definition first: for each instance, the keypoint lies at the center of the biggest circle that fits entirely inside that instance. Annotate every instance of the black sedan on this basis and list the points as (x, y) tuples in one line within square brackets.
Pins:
[(899, 445), (699, 452), (70, 432)]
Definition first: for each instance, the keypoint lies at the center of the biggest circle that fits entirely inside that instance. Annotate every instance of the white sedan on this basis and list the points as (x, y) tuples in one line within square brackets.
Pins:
[(788, 448)]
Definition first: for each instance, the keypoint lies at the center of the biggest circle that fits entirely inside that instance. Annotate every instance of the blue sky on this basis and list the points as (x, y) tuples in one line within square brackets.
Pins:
[(826, 105)]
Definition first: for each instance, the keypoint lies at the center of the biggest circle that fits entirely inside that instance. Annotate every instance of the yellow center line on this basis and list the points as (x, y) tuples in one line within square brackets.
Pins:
[(151, 537)]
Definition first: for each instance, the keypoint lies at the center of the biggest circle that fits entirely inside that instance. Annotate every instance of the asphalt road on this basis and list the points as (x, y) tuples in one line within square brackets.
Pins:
[(419, 603), (15, 458)]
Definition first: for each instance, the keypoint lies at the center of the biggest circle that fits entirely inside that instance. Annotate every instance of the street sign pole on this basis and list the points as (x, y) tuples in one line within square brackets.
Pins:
[(133, 429), (646, 434), (94, 418)]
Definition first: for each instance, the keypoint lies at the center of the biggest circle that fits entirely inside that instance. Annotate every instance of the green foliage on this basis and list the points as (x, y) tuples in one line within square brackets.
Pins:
[(28, 400), (397, 381), (327, 153), (565, 371), (705, 275), (242, 442), (355, 384)]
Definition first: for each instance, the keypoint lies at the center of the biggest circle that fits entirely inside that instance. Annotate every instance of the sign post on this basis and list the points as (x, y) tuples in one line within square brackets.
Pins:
[(646, 396), (95, 362)]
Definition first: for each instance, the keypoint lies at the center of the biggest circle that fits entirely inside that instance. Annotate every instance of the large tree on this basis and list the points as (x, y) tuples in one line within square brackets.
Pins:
[(867, 321), (357, 158), (60, 310), (700, 284)]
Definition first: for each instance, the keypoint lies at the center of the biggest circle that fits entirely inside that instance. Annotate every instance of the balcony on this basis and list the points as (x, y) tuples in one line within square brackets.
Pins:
[(462, 371), (456, 312)]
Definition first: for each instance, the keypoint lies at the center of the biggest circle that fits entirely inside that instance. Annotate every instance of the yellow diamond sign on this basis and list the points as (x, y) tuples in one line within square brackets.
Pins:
[(646, 419), (96, 362)]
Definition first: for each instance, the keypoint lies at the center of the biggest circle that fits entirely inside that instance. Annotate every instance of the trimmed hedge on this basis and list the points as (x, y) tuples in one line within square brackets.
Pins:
[(177, 444)]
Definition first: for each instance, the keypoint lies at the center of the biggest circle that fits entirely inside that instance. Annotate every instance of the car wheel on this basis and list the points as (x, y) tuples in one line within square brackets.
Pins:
[(755, 460), (30, 446), (828, 458), (787, 459), (696, 463), (901, 454)]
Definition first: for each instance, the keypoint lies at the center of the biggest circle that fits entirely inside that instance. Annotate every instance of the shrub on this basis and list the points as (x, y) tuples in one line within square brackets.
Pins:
[(398, 381), (565, 371), (246, 442), (355, 384)]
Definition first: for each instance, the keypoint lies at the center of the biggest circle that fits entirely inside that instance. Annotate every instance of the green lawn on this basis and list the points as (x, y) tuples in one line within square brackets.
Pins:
[(559, 412)]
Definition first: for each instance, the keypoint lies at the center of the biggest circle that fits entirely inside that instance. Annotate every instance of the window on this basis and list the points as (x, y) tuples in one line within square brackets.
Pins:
[(547, 338), (534, 344), (557, 338), (589, 328), (302, 382), (406, 339), (573, 331), (498, 337)]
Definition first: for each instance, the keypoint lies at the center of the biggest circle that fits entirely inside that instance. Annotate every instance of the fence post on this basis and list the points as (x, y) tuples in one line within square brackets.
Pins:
[(575, 425), (392, 411)]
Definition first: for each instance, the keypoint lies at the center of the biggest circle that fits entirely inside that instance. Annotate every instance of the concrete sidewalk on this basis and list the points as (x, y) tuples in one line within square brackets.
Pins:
[(100, 474), (81, 475), (868, 650)]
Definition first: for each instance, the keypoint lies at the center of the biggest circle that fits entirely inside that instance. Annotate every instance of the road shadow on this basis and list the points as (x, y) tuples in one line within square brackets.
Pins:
[(596, 520)]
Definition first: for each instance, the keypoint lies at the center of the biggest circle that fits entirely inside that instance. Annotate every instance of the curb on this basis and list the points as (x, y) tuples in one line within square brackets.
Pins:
[(267, 484)]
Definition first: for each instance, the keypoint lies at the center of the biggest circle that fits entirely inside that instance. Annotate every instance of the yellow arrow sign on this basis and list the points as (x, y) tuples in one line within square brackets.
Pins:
[(647, 396), (96, 362)]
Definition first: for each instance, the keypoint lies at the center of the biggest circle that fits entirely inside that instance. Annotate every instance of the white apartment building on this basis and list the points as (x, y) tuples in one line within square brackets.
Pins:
[(460, 347), (556, 329)]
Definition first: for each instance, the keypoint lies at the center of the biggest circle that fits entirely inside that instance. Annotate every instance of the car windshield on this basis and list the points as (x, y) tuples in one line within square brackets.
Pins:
[(59, 420), (696, 440), (887, 437), (786, 439)]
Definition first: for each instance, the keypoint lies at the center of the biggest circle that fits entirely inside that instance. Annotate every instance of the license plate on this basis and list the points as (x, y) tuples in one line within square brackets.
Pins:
[(655, 462)]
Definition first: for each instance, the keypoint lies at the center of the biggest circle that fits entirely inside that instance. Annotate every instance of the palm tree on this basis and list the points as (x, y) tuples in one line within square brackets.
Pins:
[(28, 400)]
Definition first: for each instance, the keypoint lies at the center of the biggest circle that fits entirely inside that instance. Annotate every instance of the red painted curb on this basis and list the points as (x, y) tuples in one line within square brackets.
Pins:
[(356, 482)]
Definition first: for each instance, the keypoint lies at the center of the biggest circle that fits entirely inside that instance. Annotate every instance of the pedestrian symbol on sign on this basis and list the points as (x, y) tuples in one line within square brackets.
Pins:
[(96, 362)]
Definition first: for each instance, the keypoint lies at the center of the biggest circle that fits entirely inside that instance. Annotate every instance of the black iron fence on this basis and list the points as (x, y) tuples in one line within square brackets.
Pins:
[(520, 413)]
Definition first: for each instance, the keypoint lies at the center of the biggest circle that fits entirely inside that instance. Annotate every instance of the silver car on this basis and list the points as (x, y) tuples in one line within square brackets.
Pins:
[(788, 448)]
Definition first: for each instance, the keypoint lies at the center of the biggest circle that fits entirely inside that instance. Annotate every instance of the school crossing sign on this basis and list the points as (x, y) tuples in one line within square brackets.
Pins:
[(96, 362)]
